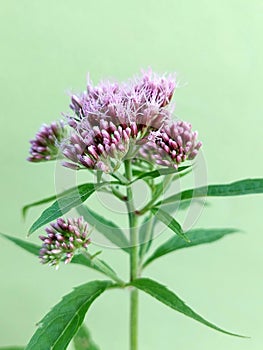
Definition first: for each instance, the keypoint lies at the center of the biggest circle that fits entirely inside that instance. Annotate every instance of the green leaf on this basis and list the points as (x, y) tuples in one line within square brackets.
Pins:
[(14, 348), (34, 204), (106, 227), (160, 172), (59, 326), (238, 188), (167, 297), (60, 207), (83, 340), (93, 263), (146, 234), (28, 246), (197, 237), (169, 221)]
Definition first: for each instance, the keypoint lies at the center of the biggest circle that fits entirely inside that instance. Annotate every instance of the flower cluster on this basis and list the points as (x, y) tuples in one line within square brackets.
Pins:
[(171, 145), (116, 121), (64, 238), (45, 146)]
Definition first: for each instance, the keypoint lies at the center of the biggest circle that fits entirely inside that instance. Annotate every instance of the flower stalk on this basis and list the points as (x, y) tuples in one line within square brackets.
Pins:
[(134, 259)]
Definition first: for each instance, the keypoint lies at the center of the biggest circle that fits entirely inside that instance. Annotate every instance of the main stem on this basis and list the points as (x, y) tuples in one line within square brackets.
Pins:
[(133, 260)]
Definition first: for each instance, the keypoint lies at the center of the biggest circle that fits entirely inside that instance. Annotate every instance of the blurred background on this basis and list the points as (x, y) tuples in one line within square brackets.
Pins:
[(48, 47)]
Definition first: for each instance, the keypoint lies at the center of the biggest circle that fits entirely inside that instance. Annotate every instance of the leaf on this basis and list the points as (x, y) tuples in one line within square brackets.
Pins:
[(28, 246), (160, 172), (58, 327), (60, 207), (106, 227), (34, 204), (14, 348), (169, 221), (95, 263), (238, 188), (167, 297), (146, 234), (83, 340), (197, 237)]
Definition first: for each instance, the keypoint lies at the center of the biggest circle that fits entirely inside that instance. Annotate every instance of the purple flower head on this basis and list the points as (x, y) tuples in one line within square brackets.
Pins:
[(45, 146), (171, 145), (64, 239), (143, 100), (113, 120), (103, 147)]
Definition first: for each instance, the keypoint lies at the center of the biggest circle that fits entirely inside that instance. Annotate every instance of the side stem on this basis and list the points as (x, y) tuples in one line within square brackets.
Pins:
[(134, 260)]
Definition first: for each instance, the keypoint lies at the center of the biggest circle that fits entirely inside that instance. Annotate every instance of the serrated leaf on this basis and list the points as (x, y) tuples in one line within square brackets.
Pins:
[(238, 188), (60, 207), (196, 236), (106, 227), (95, 263), (83, 340), (170, 222), (167, 297), (59, 326)]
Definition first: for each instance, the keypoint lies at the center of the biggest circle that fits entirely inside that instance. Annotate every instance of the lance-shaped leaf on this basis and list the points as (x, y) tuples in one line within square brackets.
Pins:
[(86, 260), (170, 222), (83, 340), (197, 237), (146, 234), (60, 207), (41, 201), (167, 297), (14, 348), (59, 326), (106, 227), (238, 188), (160, 172)]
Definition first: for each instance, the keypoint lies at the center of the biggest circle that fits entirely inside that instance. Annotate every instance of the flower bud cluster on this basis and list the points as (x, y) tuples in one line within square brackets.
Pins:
[(65, 237), (45, 146), (171, 145), (103, 147)]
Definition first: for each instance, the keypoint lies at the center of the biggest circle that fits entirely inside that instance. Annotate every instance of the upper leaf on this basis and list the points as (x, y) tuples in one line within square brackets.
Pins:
[(169, 221), (106, 227), (83, 340), (167, 297), (58, 327), (34, 204), (238, 188), (160, 172), (70, 200), (197, 236)]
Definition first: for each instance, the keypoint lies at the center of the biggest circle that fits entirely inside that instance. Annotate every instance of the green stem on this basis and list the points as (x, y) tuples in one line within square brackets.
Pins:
[(134, 260)]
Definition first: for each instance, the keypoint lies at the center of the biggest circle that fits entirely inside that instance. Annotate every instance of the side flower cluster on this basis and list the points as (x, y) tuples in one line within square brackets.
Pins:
[(64, 239), (46, 144), (171, 145), (116, 121)]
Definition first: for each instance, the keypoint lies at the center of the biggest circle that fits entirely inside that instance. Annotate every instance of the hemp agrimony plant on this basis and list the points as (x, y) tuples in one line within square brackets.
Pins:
[(121, 133)]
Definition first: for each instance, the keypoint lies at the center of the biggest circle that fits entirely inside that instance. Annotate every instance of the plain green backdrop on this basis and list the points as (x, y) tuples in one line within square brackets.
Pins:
[(47, 48)]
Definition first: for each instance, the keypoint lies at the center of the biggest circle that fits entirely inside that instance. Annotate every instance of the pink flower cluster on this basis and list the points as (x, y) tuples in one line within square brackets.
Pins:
[(45, 146), (64, 238), (116, 121)]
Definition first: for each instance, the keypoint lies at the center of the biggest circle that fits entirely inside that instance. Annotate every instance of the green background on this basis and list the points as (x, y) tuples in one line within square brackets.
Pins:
[(47, 48)]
